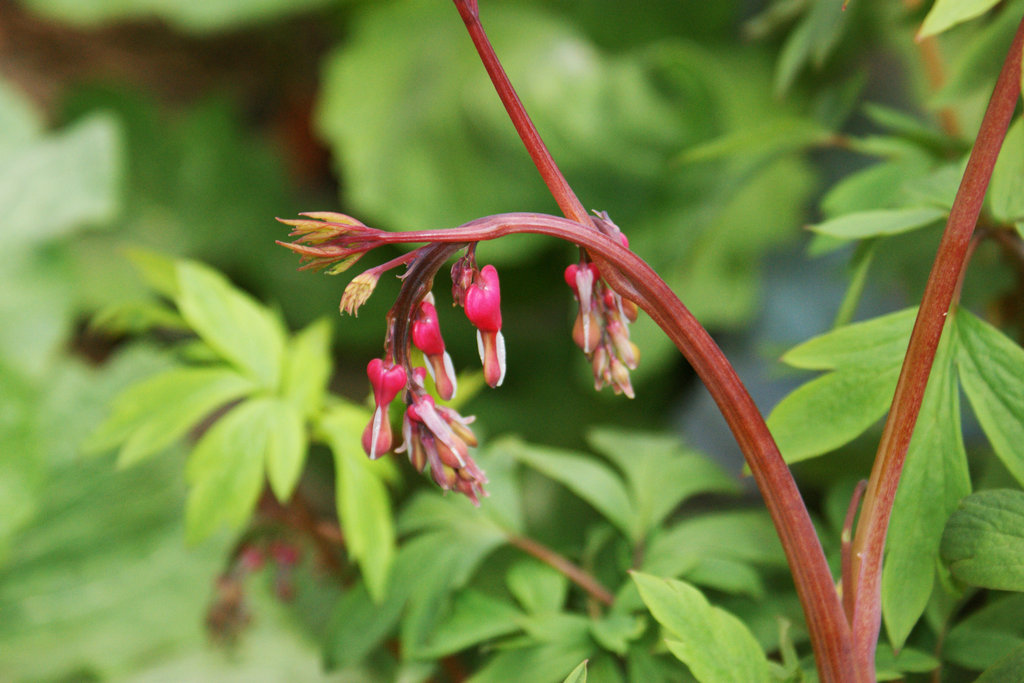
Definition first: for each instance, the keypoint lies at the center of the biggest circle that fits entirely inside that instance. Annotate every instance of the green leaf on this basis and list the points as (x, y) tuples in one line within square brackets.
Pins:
[(286, 449), (615, 631), (810, 42), (231, 322), (1009, 668), (536, 586), (578, 675), (879, 222), (53, 185), (307, 367), (660, 471), (934, 479), (974, 68), (1006, 189), (716, 645), (945, 14), (200, 16), (158, 411), (225, 471), (890, 667), (983, 543), (475, 618), (989, 364), (364, 507), (979, 640), (586, 477), (866, 359)]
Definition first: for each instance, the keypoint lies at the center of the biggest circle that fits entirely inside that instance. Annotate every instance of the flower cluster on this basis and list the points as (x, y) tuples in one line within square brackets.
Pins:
[(435, 435)]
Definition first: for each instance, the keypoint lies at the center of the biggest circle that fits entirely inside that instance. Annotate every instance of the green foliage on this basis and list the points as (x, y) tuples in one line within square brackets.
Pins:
[(984, 539)]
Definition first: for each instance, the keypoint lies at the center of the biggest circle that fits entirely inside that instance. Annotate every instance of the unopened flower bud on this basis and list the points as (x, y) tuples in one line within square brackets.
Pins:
[(426, 335), (586, 331)]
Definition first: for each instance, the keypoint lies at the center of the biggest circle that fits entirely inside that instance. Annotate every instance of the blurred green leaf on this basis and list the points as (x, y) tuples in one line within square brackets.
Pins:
[(475, 617), (989, 365), (191, 15), (364, 507), (1009, 668), (983, 542), (225, 470), (891, 667), (286, 449), (974, 68), (158, 411), (984, 637), (934, 479), (811, 42), (945, 14), (52, 185), (586, 477), (1007, 185), (879, 222), (660, 471), (713, 643), (537, 587), (231, 322), (307, 367), (544, 662), (578, 675)]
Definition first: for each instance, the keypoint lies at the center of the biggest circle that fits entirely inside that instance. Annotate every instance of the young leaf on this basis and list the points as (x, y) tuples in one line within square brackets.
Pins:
[(879, 222), (231, 322), (990, 373), (586, 477), (156, 412), (364, 508), (945, 14), (983, 543), (716, 645), (934, 479), (225, 471)]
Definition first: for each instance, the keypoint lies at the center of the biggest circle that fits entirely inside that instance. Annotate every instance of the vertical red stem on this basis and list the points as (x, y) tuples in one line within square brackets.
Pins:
[(869, 541)]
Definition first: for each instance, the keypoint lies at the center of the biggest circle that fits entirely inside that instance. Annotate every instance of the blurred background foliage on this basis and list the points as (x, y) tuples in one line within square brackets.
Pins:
[(708, 131)]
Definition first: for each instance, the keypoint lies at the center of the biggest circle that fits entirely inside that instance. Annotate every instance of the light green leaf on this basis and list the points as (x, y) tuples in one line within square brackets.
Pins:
[(660, 471), (536, 586), (883, 339), (364, 507), (231, 322), (307, 367), (983, 543), (879, 222), (1009, 668), (990, 373), (891, 667), (716, 645), (158, 411), (973, 69), (225, 471), (1006, 189), (200, 16), (934, 479), (945, 14), (52, 185), (579, 674), (286, 449), (586, 477)]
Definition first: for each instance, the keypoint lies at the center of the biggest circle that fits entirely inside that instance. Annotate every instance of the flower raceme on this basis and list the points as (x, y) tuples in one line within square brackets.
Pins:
[(435, 435)]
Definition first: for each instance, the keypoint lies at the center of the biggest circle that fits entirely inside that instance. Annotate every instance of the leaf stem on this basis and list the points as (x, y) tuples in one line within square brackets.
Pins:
[(869, 540), (575, 574)]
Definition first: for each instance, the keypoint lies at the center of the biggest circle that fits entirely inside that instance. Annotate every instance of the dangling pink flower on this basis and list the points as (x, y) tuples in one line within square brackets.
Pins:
[(426, 336), (483, 308), (386, 382)]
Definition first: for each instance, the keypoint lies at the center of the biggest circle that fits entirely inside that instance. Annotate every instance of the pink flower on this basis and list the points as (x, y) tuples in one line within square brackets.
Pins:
[(386, 381), (426, 336), (482, 302)]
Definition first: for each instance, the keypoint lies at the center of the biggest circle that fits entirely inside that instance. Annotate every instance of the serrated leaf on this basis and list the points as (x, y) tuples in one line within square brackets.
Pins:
[(990, 373), (225, 471), (231, 322), (156, 412), (1006, 188), (586, 477), (934, 479), (983, 543), (660, 471), (864, 224), (286, 449), (364, 507), (537, 587), (946, 14), (307, 367), (716, 645), (52, 185)]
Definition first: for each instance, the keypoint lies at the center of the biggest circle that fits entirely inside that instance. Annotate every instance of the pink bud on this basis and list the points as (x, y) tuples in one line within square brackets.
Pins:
[(377, 437), (483, 301), (386, 381)]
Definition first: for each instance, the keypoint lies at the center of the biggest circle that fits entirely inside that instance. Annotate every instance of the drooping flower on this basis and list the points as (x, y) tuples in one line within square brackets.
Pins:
[(426, 336), (387, 381), (483, 308)]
